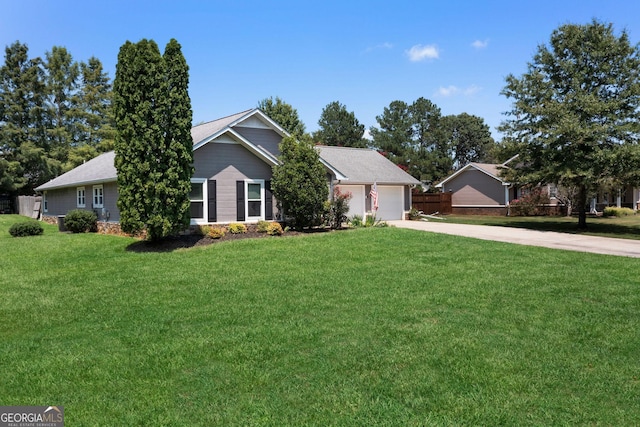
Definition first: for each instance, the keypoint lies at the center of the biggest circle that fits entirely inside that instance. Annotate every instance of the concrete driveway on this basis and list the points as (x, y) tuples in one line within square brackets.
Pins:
[(521, 236)]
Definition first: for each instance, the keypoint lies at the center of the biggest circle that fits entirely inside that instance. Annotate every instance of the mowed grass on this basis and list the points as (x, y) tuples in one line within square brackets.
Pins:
[(365, 327), (624, 227)]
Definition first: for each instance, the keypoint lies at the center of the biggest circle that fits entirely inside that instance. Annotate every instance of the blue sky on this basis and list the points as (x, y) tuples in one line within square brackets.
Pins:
[(363, 54)]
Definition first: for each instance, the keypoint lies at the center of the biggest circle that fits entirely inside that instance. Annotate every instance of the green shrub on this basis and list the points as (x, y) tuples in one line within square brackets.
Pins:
[(237, 228), (81, 221), (414, 214), (274, 229), (614, 211), (356, 221), (201, 230), (26, 228), (216, 232), (262, 226)]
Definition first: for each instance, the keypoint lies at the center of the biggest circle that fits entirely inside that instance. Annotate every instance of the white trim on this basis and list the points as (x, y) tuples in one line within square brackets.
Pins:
[(205, 205), (79, 199), (100, 196), (261, 182)]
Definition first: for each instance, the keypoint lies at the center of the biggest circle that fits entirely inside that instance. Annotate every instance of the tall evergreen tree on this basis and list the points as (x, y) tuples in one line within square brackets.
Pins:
[(299, 182), (95, 115), (339, 127), (468, 138), (154, 169), (178, 141), (574, 120), (62, 80), (24, 163), (283, 114)]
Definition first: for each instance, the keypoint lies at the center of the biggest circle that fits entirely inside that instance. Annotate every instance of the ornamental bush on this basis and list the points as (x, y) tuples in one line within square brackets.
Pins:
[(81, 221), (216, 232), (262, 226), (26, 228), (237, 228), (338, 208), (274, 229), (530, 204), (615, 211)]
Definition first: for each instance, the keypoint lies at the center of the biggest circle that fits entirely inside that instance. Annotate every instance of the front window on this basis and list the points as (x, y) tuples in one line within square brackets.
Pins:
[(98, 196), (197, 200), (80, 197), (254, 200)]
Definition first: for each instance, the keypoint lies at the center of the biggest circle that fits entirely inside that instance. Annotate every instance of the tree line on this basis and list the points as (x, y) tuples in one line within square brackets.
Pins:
[(416, 136), (54, 115)]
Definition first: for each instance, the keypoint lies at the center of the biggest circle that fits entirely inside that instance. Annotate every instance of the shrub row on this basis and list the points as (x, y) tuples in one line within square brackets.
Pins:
[(615, 211)]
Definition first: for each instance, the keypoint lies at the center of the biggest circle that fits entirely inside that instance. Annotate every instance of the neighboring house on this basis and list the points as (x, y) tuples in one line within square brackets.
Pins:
[(478, 189), (233, 160)]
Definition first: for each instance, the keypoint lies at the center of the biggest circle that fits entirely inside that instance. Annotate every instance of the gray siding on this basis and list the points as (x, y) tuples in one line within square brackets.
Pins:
[(263, 138), (63, 200), (474, 188), (228, 163)]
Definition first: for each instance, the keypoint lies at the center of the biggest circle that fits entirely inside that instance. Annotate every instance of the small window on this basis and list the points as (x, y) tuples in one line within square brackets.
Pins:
[(45, 202), (197, 200), (80, 197), (98, 196), (254, 200)]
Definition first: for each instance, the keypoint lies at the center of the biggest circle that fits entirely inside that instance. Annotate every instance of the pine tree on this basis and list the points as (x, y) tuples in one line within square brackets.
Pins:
[(24, 160), (153, 120), (95, 115), (339, 127)]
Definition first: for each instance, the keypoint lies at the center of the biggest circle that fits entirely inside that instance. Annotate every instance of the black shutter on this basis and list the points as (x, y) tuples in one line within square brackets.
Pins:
[(268, 200), (211, 194), (240, 200)]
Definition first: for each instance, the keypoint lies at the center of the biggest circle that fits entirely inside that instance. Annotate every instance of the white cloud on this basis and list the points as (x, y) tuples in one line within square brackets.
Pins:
[(420, 53), (480, 44), (455, 90), (448, 91), (385, 45)]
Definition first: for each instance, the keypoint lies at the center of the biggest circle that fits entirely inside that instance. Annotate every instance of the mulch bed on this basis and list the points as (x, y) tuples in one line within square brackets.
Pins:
[(192, 240)]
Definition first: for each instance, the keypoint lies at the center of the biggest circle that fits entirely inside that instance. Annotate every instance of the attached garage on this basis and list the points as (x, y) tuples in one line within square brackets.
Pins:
[(390, 203), (358, 199), (357, 170)]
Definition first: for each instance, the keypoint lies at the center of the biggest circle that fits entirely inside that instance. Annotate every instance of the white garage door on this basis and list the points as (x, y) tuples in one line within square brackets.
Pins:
[(390, 203), (356, 204)]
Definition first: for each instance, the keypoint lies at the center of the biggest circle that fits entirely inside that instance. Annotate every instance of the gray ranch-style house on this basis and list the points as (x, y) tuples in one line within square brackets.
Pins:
[(233, 160)]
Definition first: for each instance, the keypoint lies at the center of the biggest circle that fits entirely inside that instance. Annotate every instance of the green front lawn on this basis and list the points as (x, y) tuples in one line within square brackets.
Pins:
[(376, 326), (625, 227)]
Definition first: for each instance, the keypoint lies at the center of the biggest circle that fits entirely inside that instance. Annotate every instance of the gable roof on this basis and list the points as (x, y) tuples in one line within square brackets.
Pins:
[(206, 132), (363, 166), (97, 170), (490, 169), (209, 131), (102, 168)]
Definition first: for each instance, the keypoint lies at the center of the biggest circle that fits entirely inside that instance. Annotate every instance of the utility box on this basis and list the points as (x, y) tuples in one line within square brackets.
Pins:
[(61, 226)]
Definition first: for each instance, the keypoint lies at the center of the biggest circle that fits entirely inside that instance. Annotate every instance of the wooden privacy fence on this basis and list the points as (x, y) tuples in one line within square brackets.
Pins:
[(29, 206), (430, 203)]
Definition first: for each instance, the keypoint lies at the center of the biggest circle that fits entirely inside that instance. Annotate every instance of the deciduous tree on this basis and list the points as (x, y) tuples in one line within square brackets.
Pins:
[(574, 116), (283, 114)]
